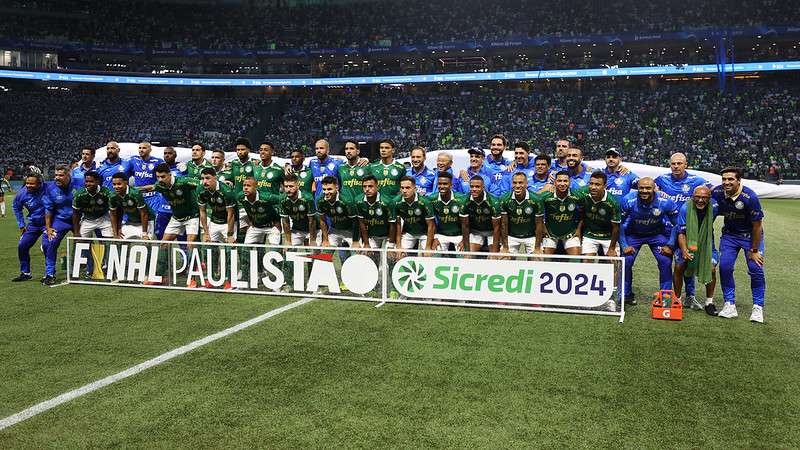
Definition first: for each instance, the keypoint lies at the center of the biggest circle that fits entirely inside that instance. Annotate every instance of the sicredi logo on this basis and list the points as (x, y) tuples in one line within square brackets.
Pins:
[(526, 282)]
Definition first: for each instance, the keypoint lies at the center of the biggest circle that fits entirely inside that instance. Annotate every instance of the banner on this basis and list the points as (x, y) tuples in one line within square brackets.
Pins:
[(587, 285)]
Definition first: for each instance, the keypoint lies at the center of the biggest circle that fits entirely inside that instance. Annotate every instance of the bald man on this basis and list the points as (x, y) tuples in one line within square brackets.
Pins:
[(679, 185), (693, 252), (643, 223)]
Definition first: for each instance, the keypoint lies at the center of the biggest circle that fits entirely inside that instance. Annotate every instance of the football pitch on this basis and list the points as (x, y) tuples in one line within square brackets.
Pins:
[(346, 374)]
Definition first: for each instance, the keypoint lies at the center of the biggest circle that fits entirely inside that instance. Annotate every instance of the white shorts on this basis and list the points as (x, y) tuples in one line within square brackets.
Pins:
[(481, 237), (177, 227), (409, 241), (103, 223), (590, 245), (548, 242), (336, 239), (131, 231), (378, 242), (525, 244), (256, 235), (445, 241), (218, 232), (299, 237)]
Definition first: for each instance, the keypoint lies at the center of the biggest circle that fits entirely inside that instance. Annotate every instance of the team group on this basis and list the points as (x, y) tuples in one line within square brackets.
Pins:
[(530, 204)]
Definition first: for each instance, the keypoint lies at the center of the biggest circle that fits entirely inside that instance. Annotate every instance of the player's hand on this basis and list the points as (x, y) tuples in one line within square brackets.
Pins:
[(665, 250), (312, 242), (504, 250), (206, 237), (459, 246), (757, 258), (511, 166), (362, 162), (287, 169), (627, 251), (145, 237), (612, 251), (537, 251), (325, 243), (687, 255), (22, 231), (464, 175), (230, 239), (117, 235), (51, 233)]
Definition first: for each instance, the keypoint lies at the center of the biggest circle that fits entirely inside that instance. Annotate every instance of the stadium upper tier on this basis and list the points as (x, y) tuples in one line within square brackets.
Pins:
[(155, 25), (756, 128)]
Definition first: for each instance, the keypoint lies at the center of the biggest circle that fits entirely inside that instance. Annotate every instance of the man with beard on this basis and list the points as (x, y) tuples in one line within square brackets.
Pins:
[(423, 177), (305, 178), (198, 161), (562, 217), (86, 164), (619, 182), (496, 162), (58, 219), (350, 173), (113, 164)]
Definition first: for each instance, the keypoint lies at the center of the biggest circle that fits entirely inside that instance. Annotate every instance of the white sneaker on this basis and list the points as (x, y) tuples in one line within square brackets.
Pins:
[(728, 311), (757, 315), (611, 306)]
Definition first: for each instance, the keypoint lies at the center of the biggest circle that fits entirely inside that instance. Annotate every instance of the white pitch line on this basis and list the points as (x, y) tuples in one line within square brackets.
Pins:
[(91, 387)]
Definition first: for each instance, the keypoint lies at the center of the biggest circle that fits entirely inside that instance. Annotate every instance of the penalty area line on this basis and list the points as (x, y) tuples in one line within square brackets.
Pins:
[(160, 359)]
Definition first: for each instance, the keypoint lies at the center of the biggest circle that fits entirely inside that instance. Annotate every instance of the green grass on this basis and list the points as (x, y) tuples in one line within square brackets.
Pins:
[(347, 374)]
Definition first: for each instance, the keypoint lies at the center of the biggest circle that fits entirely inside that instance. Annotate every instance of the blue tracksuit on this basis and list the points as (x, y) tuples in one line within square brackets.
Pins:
[(34, 203), (619, 185), (58, 205), (424, 179), (644, 223), (456, 186), (486, 174), (577, 182), (739, 212), (496, 166), (680, 190), (79, 173), (108, 169)]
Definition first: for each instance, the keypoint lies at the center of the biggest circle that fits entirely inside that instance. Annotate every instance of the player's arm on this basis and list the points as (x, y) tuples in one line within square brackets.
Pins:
[(231, 222), (204, 222), (612, 247), (397, 237), (287, 230), (17, 206), (144, 216), (495, 235), (688, 256), (431, 233), (362, 231), (755, 243), (537, 246), (464, 232), (504, 230), (76, 221), (323, 226)]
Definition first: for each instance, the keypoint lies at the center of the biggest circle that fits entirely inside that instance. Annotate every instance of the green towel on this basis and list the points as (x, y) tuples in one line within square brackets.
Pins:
[(700, 242)]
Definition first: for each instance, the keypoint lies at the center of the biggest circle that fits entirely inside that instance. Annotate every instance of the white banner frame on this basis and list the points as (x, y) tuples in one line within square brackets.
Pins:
[(384, 274)]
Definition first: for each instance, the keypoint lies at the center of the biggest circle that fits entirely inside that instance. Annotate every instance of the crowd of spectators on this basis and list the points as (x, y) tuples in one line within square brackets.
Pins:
[(393, 22), (756, 128), (47, 128)]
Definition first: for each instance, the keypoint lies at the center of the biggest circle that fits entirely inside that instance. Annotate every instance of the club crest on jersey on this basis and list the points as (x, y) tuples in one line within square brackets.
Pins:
[(151, 166), (423, 180), (685, 188), (120, 169), (447, 211), (378, 212), (739, 204), (260, 209), (602, 212), (394, 172), (619, 181), (301, 208), (130, 202), (178, 192), (270, 175), (339, 209), (181, 167), (571, 207), (528, 210), (417, 212), (656, 212), (455, 208), (248, 169), (331, 166), (561, 208), (359, 172)]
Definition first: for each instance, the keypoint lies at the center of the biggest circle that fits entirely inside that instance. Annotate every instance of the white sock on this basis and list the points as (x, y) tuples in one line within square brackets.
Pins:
[(709, 301), (3, 208)]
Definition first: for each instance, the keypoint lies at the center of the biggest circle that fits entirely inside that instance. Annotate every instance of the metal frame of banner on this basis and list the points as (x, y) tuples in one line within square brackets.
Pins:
[(384, 274)]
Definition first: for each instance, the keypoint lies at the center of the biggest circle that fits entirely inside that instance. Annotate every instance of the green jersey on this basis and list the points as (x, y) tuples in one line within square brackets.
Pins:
[(269, 178), (599, 215), (131, 202), (181, 196), (388, 176), (351, 177), (263, 210), (224, 174), (193, 169), (218, 201), (376, 215), (241, 170), (299, 210), (305, 179), (92, 206), (341, 211), (521, 213), (447, 213), (414, 214), (561, 216), (481, 213)]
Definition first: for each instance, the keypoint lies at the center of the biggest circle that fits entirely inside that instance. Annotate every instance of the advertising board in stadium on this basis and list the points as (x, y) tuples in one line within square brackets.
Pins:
[(380, 275)]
